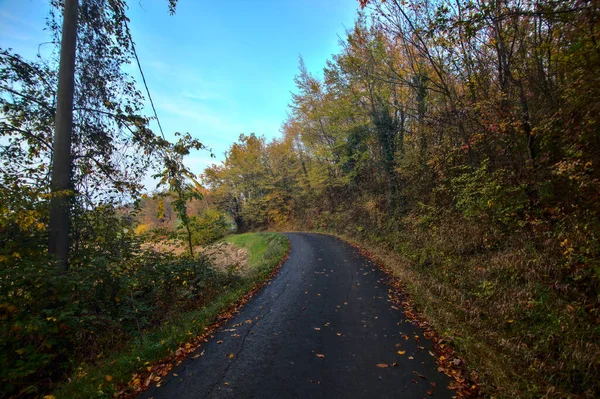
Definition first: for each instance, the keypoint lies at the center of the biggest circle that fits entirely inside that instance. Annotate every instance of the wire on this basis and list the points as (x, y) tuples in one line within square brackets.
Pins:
[(137, 59)]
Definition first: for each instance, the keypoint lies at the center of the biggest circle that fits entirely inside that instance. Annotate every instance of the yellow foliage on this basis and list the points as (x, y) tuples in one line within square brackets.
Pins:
[(142, 228)]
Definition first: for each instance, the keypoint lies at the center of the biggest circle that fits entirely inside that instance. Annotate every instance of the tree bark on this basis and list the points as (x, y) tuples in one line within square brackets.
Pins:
[(58, 245)]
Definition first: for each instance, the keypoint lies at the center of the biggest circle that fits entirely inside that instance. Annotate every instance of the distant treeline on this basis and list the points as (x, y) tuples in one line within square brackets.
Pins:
[(154, 214)]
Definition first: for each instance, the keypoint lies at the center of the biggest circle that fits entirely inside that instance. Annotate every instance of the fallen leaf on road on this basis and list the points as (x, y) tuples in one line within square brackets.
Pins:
[(339, 334), (231, 355), (401, 352), (383, 365), (419, 375), (317, 328), (320, 356)]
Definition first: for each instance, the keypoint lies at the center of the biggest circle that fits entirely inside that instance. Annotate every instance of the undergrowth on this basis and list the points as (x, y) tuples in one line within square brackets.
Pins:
[(82, 334)]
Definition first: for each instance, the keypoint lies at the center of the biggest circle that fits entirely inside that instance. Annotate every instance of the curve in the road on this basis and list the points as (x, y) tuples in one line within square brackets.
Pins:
[(323, 328)]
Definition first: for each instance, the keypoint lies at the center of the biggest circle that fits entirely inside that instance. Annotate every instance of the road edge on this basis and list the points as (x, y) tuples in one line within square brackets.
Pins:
[(464, 380), (153, 373)]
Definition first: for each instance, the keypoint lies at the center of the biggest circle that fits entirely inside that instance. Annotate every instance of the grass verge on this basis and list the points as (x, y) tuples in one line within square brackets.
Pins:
[(111, 375), (257, 244)]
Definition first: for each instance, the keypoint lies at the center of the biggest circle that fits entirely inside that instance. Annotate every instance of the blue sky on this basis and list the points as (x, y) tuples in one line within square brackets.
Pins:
[(217, 68)]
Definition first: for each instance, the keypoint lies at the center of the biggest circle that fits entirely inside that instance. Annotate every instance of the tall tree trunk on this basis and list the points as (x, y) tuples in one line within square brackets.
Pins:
[(58, 245)]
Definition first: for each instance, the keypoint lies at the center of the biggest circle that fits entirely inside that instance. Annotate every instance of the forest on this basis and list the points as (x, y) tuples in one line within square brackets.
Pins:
[(457, 141), (460, 140)]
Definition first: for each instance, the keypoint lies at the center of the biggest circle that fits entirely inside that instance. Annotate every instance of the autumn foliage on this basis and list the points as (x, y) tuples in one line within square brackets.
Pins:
[(461, 139)]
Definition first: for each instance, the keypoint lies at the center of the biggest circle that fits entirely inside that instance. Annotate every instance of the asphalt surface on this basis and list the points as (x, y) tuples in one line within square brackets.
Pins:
[(318, 330)]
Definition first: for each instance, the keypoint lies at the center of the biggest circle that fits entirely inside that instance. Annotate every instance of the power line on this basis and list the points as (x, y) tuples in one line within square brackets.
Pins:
[(145, 84)]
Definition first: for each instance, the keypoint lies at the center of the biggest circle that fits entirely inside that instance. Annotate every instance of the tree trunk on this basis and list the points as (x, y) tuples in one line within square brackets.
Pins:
[(58, 245)]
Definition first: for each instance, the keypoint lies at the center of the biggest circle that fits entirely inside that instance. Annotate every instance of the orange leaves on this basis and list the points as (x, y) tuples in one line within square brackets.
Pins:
[(383, 365), (463, 384), (364, 3)]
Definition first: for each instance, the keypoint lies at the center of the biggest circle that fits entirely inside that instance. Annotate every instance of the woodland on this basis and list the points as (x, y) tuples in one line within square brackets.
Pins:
[(458, 141)]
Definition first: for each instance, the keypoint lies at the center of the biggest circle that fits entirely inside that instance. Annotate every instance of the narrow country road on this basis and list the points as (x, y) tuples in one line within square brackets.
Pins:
[(318, 330)]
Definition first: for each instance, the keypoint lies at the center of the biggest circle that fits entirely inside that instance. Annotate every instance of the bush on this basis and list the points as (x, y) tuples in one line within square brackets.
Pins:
[(50, 322), (210, 226)]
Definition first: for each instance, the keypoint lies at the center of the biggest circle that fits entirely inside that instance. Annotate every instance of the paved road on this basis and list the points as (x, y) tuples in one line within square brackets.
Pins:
[(318, 330)]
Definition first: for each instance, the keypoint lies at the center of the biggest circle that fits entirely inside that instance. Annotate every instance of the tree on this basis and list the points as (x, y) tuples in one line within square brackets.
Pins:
[(61, 183), (181, 182)]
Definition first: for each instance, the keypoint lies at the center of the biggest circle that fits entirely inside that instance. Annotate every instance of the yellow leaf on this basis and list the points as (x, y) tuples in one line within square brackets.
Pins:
[(383, 365), (49, 397), (401, 352), (108, 378)]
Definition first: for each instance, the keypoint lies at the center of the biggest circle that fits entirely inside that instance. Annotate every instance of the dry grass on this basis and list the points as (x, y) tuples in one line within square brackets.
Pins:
[(223, 255), (227, 257)]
